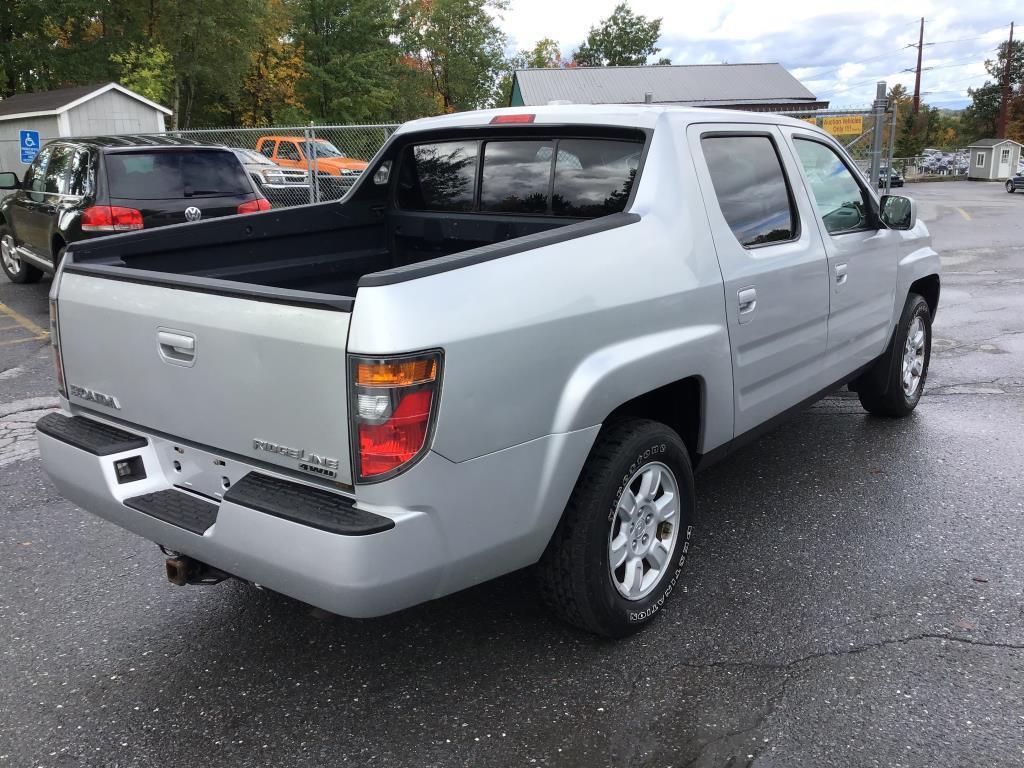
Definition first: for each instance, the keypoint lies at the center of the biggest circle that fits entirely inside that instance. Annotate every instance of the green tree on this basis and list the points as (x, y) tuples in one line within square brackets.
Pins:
[(982, 114), (623, 39), (462, 48), (145, 70), (350, 57)]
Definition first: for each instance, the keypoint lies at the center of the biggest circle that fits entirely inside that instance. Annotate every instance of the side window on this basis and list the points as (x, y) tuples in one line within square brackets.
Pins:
[(267, 147), (80, 173), (842, 203), (287, 150), (35, 177), (438, 177), (516, 176), (979, 160), (751, 188), (56, 176), (1004, 155)]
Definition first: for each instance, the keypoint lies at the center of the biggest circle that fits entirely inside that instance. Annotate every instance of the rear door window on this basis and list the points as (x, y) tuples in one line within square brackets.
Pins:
[(56, 175), (751, 188), (287, 150), (172, 174)]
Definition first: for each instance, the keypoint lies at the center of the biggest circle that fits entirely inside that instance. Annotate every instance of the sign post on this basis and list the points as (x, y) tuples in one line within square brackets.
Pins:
[(29, 146)]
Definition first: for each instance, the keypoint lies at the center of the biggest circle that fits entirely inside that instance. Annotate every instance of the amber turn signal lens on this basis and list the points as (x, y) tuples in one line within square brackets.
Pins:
[(400, 373)]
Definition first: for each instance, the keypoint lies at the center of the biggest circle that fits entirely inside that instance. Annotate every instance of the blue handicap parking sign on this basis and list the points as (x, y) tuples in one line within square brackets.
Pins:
[(29, 145)]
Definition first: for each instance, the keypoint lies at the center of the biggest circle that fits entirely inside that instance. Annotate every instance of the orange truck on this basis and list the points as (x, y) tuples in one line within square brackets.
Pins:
[(325, 158)]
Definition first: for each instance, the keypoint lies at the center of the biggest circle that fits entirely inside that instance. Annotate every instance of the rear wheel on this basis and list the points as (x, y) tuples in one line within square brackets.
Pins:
[(894, 388), (15, 269), (621, 544)]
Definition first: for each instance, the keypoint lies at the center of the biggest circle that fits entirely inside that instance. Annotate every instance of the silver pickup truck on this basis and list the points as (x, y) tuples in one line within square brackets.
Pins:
[(510, 345)]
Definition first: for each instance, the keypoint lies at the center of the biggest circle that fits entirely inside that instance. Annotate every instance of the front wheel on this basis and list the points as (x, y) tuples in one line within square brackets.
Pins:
[(619, 549), (895, 387), (15, 269), (1009, 186)]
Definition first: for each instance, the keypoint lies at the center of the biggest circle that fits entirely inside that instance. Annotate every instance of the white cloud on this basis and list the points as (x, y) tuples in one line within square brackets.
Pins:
[(838, 49)]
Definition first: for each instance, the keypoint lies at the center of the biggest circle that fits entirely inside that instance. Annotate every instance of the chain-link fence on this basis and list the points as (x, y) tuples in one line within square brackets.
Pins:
[(294, 165), (933, 164)]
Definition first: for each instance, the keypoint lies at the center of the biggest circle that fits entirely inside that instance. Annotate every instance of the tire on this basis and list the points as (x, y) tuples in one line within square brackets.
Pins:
[(574, 573), (893, 388), (16, 270), (1009, 187)]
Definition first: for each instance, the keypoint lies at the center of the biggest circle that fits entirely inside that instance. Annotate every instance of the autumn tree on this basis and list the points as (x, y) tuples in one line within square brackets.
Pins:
[(623, 39), (545, 54)]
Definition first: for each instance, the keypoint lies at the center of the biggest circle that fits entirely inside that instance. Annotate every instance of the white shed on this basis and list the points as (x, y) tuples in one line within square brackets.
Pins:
[(88, 110), (993, 159)]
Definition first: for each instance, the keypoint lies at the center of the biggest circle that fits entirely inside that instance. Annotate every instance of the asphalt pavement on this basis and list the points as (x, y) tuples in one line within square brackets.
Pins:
[(854, 597)]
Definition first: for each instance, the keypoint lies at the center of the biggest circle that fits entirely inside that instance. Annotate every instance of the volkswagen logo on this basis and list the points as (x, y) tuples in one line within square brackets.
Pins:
[(193, 214)]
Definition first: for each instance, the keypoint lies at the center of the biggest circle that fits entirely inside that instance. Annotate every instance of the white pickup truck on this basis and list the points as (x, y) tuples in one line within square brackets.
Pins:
[(511, 344)]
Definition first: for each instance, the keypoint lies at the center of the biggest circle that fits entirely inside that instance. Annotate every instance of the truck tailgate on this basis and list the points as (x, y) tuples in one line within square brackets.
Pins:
[(254, 378)]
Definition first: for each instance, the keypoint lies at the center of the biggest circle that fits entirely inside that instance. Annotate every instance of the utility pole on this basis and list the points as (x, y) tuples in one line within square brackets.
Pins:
[(917, 77), (880, 105), (1004, 107)]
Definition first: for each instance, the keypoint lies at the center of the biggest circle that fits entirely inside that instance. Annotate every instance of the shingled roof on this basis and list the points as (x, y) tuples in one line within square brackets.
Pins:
[(62, 99)]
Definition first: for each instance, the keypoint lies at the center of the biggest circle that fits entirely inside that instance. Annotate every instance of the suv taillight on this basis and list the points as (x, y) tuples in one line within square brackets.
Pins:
[(110, 218), (58, 363), (393, 404), (259, 204)]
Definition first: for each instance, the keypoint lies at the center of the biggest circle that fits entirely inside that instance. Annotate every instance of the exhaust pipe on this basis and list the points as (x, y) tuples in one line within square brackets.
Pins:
[(182, 570)]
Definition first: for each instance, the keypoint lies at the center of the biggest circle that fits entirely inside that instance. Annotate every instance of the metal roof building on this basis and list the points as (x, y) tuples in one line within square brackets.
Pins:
[(757, 87)]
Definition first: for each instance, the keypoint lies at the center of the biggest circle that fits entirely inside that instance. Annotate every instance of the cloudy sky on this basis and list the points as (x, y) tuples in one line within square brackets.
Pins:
[(838, 50)]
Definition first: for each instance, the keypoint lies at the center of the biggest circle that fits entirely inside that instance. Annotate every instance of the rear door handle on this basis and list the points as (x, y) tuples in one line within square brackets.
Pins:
[(747, 298), (176, 347), (840, 274)]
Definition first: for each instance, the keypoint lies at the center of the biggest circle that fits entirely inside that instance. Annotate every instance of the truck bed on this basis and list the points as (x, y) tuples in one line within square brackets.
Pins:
[(321, 249)]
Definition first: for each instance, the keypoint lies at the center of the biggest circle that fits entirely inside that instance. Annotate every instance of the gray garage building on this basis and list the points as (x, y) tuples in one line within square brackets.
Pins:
[(87, 110), (993, 159), (755, 87)]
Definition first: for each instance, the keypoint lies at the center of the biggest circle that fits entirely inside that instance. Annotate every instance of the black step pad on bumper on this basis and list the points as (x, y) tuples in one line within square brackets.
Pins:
[(177, 508), (88, 435), (306, 505)]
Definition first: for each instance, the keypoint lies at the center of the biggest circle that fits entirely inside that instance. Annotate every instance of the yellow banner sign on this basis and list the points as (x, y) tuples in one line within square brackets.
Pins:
[(811, 120), (850, 125)]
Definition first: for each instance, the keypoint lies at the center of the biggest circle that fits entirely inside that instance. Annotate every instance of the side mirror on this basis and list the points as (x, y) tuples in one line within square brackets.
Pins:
[(9, 180), (898, 212)]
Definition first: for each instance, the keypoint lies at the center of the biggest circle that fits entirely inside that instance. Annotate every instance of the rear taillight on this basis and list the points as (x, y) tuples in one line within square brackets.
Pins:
[(253, 206), (393, 404), (58, 363), (110, 218)]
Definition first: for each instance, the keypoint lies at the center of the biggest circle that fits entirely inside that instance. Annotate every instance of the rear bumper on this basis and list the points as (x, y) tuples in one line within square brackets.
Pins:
[(446, 525), (352, 575)]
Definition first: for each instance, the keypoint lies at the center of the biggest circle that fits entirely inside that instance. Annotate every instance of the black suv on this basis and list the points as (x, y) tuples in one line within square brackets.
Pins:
[(81, 188)]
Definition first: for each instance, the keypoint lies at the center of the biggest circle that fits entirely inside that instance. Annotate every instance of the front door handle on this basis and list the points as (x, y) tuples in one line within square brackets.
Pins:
[(747, 298), (840, 274)]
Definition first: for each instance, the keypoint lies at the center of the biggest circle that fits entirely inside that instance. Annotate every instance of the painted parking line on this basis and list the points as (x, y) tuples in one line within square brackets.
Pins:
[(965, 214), (20, 320)]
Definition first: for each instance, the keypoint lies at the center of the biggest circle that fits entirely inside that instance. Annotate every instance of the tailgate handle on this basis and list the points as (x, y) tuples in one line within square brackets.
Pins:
[(176, 347)]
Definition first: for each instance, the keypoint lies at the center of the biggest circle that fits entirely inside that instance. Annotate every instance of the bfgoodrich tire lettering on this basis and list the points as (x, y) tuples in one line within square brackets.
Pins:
[(575, 574)]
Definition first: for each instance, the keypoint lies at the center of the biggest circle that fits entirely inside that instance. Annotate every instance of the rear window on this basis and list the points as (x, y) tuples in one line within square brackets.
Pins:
[(579, 178), (168, 175)]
